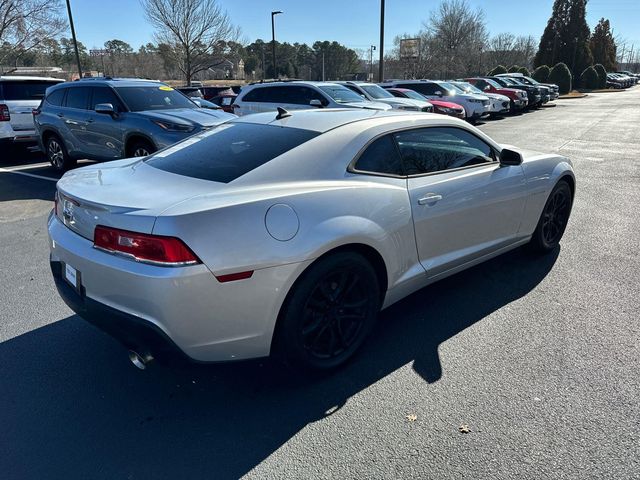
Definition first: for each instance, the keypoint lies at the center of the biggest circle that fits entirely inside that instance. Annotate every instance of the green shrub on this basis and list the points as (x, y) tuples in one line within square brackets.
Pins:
[(589, 79), (561, 76), (497, 71), (524, 71), (602, 75), (541, 74), (513, 69)]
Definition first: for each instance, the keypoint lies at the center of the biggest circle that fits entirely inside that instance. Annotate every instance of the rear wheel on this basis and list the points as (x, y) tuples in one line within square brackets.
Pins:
[(554, 218), (140, 148), (329, 313), (57, 154)]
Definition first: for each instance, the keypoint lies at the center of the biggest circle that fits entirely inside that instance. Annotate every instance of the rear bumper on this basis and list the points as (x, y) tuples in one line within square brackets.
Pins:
[(133, 332), (145, 305)]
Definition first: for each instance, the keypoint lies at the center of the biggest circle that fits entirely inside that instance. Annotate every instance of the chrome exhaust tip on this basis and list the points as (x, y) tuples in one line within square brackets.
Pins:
[(140, 361)]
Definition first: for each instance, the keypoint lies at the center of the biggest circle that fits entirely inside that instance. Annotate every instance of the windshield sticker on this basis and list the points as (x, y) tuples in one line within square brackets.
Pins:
[(165, 88)]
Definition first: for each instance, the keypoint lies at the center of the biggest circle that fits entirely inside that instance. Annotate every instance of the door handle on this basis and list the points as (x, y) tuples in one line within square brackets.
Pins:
[(71, 122), (429, 199), (60, 115)]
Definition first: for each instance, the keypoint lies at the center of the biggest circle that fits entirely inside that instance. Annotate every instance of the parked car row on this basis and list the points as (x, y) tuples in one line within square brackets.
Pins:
[(621, 80)]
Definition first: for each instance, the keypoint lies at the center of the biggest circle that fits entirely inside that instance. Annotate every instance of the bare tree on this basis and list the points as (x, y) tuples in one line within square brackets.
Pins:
[(508, 50), (194, 32), (25, 24), (456, 34)]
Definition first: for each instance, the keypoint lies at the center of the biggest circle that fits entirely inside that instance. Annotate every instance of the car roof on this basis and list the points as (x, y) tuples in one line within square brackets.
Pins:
[(323, 120), (117, 82), (27, 78), (296, 82)]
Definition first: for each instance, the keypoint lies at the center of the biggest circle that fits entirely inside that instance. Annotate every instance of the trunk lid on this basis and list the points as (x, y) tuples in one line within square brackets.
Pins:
[(126, 194)]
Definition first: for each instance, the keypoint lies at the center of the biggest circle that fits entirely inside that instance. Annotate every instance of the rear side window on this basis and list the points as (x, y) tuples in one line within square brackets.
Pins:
[(56, 97), (78, 97), (380, 157), (258, 95), (228, 151), (423, 87), (24, 90)]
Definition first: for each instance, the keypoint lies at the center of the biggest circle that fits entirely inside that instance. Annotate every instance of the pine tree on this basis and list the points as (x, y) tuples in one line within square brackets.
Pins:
[(566, 37), (603, 46)]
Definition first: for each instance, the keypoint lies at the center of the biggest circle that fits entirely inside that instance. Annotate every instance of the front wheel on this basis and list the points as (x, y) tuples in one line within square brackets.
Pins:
[(140, 148), (329, 313), (554, 218)]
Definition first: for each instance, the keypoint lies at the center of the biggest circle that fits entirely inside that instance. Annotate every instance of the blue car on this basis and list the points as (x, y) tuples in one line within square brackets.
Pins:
[(109, 118)]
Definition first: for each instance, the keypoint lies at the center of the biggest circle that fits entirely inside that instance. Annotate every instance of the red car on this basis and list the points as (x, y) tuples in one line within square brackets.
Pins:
[(444, 108), (518, 97)]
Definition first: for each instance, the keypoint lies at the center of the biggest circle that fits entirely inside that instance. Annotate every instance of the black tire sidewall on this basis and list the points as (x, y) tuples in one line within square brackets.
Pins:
[(140, 143), (538, 241), (288, 345)]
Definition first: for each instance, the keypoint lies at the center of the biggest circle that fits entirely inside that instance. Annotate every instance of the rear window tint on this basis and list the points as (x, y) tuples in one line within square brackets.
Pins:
[(228, 151), (24, 90)]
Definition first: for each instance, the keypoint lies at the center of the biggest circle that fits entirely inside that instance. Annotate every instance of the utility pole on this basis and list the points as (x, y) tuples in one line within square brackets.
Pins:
[(263, 62), (73, 36), (323, 65), (273, 42), (381, 61), (373, 47)]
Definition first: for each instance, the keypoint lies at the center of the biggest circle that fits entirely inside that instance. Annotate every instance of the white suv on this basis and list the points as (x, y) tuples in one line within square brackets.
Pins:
[(375, 93), (267, 97), (475, 106), (19, 97)]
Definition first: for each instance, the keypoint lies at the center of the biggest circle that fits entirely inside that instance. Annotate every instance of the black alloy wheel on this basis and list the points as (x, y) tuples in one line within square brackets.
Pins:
[(554, 218), (328, 313)]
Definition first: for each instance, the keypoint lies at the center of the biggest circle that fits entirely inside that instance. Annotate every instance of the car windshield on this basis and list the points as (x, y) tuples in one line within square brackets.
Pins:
[(450, 88), (493, 83), (376, 91), (24, 89), (413, 94), (161, 97), (468, 88), (228, 151), (341, 94)]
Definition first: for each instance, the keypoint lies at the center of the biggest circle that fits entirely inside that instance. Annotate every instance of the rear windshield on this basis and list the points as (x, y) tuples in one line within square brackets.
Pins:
[(161, 97), (228, 151), (24, 90)]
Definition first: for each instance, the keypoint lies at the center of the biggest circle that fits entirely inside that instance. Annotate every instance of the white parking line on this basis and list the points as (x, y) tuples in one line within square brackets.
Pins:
[(28, 166), (41, 177)]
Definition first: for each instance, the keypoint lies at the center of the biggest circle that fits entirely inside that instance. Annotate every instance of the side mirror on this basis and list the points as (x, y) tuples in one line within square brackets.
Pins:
[(197, 102), (510, 157), (105, 108), (316, 103), (487, 88)]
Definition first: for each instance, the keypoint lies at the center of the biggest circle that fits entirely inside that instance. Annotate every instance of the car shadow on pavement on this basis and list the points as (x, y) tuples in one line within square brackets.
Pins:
[(71, 405)]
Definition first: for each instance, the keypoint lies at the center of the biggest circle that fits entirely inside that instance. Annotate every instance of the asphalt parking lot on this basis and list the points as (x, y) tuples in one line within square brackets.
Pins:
[(537, 357)]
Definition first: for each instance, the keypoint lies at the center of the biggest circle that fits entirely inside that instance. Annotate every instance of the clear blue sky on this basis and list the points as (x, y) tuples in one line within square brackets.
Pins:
[(351, 22)]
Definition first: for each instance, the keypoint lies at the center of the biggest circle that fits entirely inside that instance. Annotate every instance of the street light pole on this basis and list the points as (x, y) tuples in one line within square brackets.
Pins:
[(373, 47), (381, 61), (73, 36), (273, 41)]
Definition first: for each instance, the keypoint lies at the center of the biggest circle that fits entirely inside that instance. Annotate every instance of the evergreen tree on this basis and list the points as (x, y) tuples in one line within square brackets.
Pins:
[(524, 71), (566, 37), (541, 74), (589, 79), (497, 71), (603, 46), (561, 76), (602, 75), (514, 69)]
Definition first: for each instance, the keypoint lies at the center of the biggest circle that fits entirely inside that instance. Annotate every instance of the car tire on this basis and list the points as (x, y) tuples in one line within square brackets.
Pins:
[(328, 313), (553, 220), (140, 148), (57, 154)]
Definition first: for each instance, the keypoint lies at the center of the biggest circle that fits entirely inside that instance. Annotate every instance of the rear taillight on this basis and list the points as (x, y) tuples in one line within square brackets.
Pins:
[(155, 249), (4, 113)]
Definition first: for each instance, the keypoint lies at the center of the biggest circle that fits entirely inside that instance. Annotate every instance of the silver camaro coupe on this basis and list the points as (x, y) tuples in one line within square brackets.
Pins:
[(286, 233)]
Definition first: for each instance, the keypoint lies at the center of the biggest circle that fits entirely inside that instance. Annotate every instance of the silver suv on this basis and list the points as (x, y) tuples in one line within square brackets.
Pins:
[(107, 119), (19, 97), (296, 95)]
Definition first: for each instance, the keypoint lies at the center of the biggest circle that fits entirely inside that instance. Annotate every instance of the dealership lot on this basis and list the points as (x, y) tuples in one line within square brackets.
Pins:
[(537, 356)]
